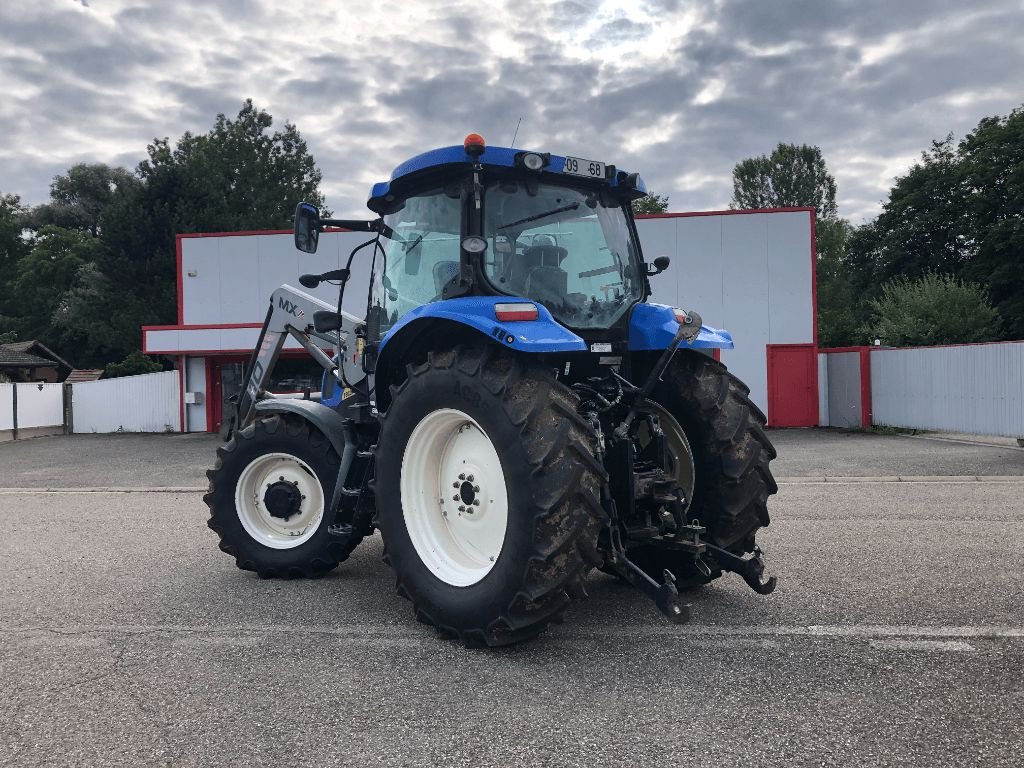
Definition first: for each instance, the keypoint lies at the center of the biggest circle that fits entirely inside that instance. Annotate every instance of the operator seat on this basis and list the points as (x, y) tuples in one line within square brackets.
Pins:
[(541, 255), (548, 285)]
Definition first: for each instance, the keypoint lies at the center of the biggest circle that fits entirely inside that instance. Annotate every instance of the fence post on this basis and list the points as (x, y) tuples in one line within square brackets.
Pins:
[(65, 393), (14, 415)]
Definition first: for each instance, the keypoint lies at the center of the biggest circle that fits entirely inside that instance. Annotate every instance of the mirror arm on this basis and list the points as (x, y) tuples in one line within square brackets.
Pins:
[(353, 224)]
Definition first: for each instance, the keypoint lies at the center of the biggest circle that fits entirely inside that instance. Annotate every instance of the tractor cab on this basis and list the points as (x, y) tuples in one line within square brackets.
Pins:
[(495, 221)]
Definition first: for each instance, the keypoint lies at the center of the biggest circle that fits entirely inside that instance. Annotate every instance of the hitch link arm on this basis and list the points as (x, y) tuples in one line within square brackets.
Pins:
[(751, 569), (664, 595)]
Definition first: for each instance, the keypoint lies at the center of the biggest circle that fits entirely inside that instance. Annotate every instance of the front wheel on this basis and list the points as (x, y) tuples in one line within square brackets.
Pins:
[(268, 498), (488, 495)]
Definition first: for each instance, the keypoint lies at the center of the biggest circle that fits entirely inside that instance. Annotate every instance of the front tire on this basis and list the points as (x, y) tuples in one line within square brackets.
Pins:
[(268, 498), (495, 559)]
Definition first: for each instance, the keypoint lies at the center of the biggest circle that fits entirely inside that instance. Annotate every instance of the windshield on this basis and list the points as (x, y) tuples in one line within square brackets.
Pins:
[(562, 247), (420, 259)]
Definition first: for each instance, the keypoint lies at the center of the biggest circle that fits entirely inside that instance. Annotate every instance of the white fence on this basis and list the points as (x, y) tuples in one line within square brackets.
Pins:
[(972, 388), (147, 403), (31, 406)]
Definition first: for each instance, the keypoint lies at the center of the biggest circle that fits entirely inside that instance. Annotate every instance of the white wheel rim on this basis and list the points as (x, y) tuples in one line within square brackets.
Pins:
[(449, 461), (250, 492)]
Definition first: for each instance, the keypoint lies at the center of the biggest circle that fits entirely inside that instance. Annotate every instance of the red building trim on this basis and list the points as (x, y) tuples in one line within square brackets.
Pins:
[(209, 391), (201, 327), (775, 396), (181, 393), (940, 346), (181, 283), (207, 327), (865, 387), (814, 276), (729, 212)]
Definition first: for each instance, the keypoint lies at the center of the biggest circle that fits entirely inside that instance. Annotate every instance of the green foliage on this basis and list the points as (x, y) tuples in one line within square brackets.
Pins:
[(101, 263), (134, 364), (932, 309), (12, 248), (45, 273), (8, 337), (791, 176), (80, 198), (651, 204), (838, 317), (959, 211)]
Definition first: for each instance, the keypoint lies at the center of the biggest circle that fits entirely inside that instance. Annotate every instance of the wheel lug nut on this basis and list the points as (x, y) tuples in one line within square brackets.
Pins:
[(455, 497), (455, 484), (462, 476), (461, 508), (476, 502), (476, 489), (470, 478)]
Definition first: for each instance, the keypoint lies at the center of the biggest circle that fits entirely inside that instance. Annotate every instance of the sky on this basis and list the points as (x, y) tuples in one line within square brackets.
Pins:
[(679, 91)]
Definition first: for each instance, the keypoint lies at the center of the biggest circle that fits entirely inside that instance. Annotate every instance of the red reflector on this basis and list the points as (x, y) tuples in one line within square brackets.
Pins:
[(508, 313)]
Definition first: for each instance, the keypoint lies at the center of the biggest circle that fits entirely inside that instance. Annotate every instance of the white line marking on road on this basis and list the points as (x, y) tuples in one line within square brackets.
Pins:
[(859, 631), (825, 480), (922, 645), (104, 489)]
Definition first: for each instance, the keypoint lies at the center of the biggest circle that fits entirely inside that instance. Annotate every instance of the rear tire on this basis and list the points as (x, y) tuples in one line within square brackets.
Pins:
[(266, 458), (459, 409), (731, 455)]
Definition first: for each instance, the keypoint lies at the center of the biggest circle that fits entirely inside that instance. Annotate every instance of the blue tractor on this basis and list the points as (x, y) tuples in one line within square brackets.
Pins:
[(511, 412)]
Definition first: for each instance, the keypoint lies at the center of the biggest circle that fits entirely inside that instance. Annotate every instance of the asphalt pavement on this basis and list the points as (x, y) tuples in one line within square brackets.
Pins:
[(896, 636)]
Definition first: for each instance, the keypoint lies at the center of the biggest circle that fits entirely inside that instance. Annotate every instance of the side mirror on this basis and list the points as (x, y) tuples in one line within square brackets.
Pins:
[(660, 265), (307, 227)]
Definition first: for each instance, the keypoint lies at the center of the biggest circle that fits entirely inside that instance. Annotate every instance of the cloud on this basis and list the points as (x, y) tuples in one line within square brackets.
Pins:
[(679, 90)]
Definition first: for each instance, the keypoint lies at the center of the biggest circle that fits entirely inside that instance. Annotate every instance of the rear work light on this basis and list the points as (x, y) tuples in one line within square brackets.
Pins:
[(508, 313)]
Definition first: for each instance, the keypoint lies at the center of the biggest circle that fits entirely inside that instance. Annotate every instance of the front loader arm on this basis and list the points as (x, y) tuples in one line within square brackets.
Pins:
[(291, 313)]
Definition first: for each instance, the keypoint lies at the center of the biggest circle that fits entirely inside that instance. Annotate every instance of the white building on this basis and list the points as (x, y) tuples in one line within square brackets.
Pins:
[(750, 272)]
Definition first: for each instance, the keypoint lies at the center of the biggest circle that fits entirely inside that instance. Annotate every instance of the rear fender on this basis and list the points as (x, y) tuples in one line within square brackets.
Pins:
[(477, 312), (467, 320), (652, 326)]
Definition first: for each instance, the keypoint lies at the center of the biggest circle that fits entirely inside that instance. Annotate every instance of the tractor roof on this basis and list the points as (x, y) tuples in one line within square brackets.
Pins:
[(501, 157)]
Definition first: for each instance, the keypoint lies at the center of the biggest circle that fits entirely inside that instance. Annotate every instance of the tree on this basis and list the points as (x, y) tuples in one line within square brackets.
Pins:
[(238, 176), (79, 199), (651, 204), (132, 365), (958, 211), (45, 273), (920, 227), (12, 248), (838, 317), (791, 176), (932, 309)]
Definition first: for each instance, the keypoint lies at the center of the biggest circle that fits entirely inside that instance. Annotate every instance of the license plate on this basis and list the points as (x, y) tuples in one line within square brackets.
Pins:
[(577, 166)]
